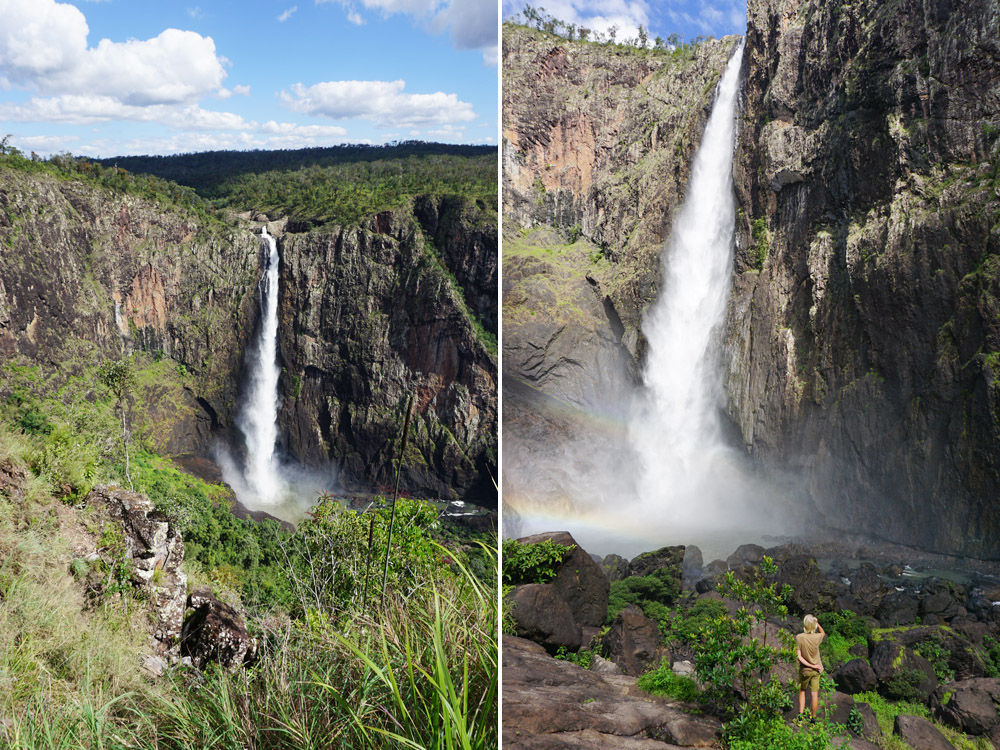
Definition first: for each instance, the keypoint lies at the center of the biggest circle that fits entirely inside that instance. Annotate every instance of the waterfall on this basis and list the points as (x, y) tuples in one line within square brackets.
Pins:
[(675, 427), (258, 418)]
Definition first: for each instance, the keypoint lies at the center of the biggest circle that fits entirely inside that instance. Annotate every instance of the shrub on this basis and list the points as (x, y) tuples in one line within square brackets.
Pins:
[(536, 562), (663, 681), (727, 655)]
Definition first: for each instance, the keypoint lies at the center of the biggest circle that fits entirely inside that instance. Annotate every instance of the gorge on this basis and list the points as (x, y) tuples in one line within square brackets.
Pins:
[(858, 346), (90, 273)]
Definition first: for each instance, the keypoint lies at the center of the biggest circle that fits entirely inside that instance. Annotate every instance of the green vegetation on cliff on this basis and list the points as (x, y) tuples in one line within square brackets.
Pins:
[(334, 670), (348, 193)]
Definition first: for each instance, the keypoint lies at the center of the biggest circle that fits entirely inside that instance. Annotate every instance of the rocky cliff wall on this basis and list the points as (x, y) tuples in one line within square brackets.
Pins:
[(370, 316), (863, 340), (597, 144), (88, 274)]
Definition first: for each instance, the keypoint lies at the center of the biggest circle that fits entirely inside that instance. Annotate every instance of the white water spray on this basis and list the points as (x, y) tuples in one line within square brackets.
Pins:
[(258, 420), (675, 430)]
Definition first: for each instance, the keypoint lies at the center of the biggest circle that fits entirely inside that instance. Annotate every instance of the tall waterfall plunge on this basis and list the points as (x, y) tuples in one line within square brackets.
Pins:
[(262, 480), (258, 417), (688, 477)]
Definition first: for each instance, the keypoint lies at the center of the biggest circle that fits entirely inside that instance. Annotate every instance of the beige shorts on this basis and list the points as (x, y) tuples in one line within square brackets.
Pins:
[(808, 679)]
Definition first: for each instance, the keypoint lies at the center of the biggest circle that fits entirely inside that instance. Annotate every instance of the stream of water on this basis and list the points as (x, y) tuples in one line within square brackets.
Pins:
[(258, 417), (688, 476)]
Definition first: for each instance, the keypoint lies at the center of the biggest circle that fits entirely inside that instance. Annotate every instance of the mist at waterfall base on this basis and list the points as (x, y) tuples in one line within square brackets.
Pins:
[(261, 477), (667, 474)]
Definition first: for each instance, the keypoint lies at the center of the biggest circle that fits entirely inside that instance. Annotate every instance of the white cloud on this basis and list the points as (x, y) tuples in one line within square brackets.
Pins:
[(382, 102), (472, 24), (43, 47), (287, 14), (83, 109), (196, 12), (306, 131), (46, 144), (241, 90)]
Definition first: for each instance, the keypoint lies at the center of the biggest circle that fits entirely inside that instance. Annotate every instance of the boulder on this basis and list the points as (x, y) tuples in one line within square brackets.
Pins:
[(902, 674), (666, 563), (918, 732), (579, 581), (215, 632), (634, 642), (543, 616), (549, 703), (898, 608), (692, 567), (812, 592), (969, 705), (871, 729), (746, 555), (855, 676), (867, 589), (600, 665), (615, 567)]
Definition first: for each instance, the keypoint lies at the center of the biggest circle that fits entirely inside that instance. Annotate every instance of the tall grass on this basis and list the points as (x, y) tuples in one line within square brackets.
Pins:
[(422, 673)]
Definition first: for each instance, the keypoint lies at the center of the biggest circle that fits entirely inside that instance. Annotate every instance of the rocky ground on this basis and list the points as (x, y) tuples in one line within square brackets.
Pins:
[(932, 623)]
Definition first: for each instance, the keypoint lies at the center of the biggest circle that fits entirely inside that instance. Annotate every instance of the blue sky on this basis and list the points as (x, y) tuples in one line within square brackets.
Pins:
[(150, 77), (689, 18)]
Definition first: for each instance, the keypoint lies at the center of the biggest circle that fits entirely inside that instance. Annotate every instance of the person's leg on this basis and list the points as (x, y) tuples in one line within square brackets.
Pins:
[(815, 700), (802, 701)]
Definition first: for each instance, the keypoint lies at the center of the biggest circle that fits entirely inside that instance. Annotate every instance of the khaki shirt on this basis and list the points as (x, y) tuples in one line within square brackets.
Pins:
[(808, 644)]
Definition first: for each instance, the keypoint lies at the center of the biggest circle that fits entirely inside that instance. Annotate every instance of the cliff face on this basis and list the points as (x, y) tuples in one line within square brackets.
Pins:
[(863, 340), (598, 140), (369, 317), (87, 274)]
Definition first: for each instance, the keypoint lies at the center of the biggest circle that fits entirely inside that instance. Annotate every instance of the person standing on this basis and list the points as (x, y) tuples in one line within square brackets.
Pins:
[(810, 662)]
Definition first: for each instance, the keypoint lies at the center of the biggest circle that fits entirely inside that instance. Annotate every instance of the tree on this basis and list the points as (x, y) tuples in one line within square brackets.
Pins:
[(643, 36), (119, 378), (735, 651)]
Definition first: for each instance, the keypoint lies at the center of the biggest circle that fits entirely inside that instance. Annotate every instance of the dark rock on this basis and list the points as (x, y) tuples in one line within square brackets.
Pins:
[(615, 567), (994, 735), (579, 581), (918, 732), (366, 321), (867, 589), (543, 616), (871, 729), (634, 642), (971, 706), (549, 703), (812, 592), (716, 567), (666, 562), (746, 555), (706, 585), (902, 674), (898, 608), (855, 676), (880, 460), (215, 632)]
